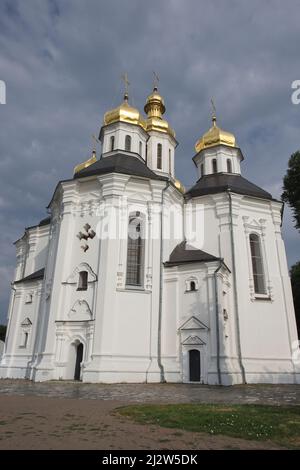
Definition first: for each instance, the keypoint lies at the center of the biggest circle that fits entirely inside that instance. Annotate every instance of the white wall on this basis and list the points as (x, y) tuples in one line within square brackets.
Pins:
[(168, 143), (119, 327), (221, 154), (267, 324), (119, 130)]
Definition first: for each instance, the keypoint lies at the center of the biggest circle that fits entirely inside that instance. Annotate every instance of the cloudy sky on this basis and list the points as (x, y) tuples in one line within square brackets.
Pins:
[(62, 62)]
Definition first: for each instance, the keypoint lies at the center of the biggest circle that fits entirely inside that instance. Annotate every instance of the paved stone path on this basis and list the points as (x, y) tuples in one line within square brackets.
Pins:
[(157, 393)]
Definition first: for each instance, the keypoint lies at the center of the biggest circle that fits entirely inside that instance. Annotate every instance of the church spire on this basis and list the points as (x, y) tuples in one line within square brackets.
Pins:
[(124, 112), (215, 135), (155, 108)]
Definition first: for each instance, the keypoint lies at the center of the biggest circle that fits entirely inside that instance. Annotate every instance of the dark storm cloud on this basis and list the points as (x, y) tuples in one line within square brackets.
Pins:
[(61, 61)]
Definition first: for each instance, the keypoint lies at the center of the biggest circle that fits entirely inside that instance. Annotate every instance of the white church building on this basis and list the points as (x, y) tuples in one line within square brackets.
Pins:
[(132, 278)]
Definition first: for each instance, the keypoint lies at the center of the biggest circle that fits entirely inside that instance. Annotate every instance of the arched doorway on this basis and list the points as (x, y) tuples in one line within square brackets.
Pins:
[(195, 365), (79, 356)]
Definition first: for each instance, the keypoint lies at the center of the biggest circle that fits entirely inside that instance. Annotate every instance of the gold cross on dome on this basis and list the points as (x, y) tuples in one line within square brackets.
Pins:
[(213, 108), (124, 77), (96, 142), (155, 80)]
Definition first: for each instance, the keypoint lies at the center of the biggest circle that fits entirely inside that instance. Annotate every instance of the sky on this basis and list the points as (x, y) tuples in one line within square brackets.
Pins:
[(62, 62)]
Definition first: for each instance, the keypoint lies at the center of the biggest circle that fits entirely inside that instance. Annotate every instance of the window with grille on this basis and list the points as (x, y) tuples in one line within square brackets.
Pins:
[(135, 251), (214, 166), (128, 143), (159, 156), (229, 166), (112, 143), (257, 264)]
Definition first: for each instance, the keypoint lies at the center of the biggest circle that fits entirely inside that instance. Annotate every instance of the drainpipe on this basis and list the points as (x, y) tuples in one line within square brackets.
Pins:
[(217, 322), (161, 367), (235, 289)]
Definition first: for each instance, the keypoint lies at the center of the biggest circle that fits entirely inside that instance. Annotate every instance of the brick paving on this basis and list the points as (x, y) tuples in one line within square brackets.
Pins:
[(157, 393)]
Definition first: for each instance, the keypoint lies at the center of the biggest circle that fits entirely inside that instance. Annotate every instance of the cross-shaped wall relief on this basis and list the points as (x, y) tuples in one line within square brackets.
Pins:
[(85, 235)]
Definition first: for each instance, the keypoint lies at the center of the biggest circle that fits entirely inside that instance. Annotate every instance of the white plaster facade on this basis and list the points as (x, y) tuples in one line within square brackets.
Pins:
[(1, 347), (145, 333)]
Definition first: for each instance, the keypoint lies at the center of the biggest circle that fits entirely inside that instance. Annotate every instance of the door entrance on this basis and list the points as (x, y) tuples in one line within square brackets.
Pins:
[(79, 356), (195, 365)]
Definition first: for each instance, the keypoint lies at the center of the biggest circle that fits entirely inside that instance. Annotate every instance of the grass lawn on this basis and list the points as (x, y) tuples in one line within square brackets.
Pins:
[(280, 424)]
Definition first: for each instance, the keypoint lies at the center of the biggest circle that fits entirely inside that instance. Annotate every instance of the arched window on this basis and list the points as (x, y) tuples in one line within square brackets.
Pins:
[(112, 143), (135, 250), (170, 161), (83, 280), (141, 149), (159, 154), (257, 264), (229, 166), (128, 143), (191, 285), (214, 166), (202, 169)]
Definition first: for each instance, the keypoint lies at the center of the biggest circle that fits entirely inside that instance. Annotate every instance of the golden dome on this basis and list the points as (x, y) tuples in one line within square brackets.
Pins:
[(124, 113), (215, 136), (86, 163), (155, 108), (155, 105), (179, 186)]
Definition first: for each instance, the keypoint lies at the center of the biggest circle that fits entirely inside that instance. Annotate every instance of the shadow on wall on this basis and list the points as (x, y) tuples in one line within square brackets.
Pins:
[(3, 329), (40, 259)]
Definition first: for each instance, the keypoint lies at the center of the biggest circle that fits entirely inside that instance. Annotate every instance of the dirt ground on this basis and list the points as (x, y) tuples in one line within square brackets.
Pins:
[(34, 422)]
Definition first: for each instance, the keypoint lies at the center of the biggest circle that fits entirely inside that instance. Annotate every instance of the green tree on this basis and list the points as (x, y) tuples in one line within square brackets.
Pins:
[(291, 186), (295, 280), (2, 332), (291, 195)]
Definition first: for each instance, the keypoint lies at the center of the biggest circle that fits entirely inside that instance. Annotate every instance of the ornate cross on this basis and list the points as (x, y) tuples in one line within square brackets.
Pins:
[(88, 233), (155, 80), (124, 77), (96, 142), (213, 108)]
